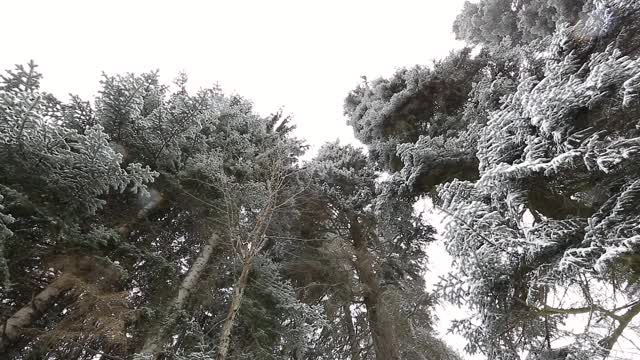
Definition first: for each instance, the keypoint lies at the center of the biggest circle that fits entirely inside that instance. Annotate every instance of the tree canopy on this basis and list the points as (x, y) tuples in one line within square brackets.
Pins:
[(535, 169), (153, 222)]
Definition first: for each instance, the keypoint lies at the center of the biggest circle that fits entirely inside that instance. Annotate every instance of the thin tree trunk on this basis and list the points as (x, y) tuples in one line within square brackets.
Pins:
[(256, 240), (384, 340), (624, 320), (236, 301), (154, 343), (353, 340), (23, 318)]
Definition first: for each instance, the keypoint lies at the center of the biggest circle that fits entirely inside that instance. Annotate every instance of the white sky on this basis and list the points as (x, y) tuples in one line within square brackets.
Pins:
[(299, 55)]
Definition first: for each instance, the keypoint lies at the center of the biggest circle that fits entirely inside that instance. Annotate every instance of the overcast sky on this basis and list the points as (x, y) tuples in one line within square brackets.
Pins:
[(299, 55)]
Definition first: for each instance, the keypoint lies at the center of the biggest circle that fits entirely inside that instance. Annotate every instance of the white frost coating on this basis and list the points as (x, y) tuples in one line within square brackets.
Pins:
[(631, 90)]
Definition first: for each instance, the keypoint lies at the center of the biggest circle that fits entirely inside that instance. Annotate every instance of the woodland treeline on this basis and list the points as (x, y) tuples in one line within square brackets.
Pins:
[(157, 223)]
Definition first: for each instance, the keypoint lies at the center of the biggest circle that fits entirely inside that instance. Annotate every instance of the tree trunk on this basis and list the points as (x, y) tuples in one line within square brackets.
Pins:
[(236, 301), (384, 340), (154, 342), (624, 320), (353, 340), (12, 329)]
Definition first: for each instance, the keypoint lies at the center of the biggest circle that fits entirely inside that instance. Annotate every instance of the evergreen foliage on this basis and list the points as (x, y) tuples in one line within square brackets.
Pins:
[(157, 223), (538, 176), (215, 194)]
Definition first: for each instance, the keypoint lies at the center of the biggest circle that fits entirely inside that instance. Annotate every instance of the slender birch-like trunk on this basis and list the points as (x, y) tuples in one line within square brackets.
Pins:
[(154, 342), (236, 301), (353, 340), (248, 248), (248, 251)]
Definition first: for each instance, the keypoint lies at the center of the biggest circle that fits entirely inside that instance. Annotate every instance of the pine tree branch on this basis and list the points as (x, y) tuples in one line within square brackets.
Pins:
[(455, 217)]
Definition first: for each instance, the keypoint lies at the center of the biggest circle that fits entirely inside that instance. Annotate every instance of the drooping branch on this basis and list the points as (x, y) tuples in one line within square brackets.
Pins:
[(548, 310)]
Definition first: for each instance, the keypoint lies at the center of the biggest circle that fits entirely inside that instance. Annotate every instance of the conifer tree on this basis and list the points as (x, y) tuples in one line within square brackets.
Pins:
[(382, 243), (546, 204)]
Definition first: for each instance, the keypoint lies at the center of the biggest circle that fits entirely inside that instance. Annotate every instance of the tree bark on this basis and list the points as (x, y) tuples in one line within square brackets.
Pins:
[(384, 340), (13, 327), (353, 340), (154, 342), (236, 301), (248, 250)]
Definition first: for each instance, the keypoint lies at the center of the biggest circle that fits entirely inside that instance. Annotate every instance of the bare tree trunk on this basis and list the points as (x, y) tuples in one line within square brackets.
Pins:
[(236, 301), (12, 328), (154, 342), (353, 340), (624, 320), (248, 249), (384, 340)]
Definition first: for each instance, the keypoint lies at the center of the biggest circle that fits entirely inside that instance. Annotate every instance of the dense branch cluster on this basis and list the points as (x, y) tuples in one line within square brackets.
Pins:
[(163, 224)]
